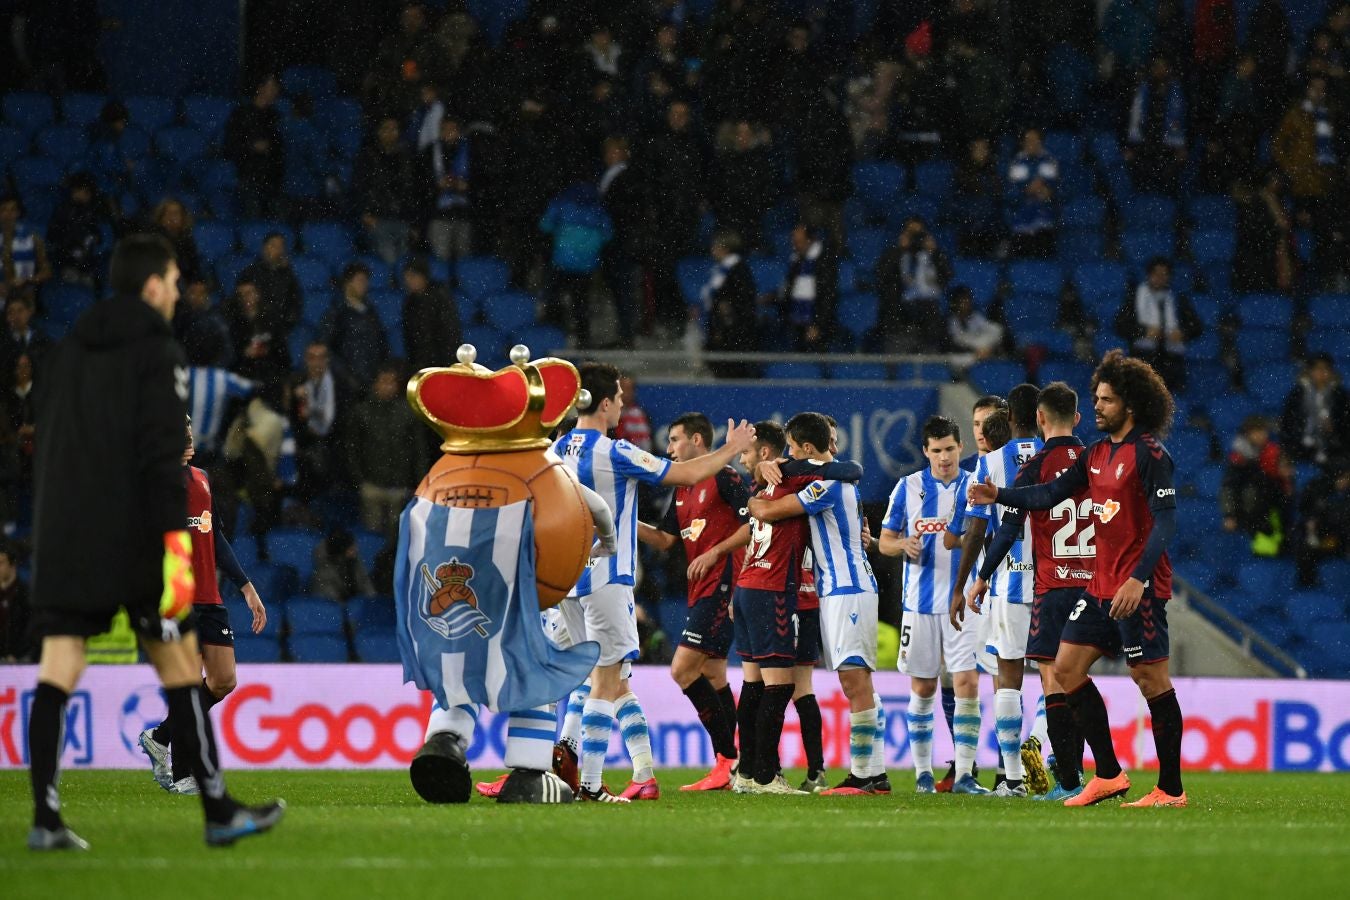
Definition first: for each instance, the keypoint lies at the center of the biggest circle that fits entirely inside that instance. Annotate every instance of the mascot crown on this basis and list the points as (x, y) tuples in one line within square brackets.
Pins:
[(476, 410)]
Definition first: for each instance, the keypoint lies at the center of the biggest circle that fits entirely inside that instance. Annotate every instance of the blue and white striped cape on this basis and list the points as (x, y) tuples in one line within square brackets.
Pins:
[(488, 648)]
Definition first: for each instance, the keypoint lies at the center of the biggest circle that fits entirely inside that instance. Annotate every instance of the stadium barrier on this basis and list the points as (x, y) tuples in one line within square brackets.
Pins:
[(363, 716)]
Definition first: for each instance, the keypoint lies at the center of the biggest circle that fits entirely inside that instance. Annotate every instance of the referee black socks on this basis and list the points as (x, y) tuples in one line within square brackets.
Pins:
[(46, 735)]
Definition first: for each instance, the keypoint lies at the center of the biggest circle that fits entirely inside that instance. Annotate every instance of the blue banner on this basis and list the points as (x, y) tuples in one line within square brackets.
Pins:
[(878, 426)]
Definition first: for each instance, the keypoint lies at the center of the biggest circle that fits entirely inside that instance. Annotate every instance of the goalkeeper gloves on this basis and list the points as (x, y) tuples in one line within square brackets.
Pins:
[(179, 583)]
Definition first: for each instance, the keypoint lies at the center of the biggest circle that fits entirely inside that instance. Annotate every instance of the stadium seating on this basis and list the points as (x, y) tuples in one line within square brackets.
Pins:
[(294, 548), (314, 615), (378, 646), (318, 648), (250, 648), (370, 614)]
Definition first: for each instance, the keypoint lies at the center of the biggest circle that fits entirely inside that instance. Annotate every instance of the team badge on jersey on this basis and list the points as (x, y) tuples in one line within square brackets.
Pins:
[(450, 606), (1120, 470), (816, 489), (1105, 512), (695, 529)]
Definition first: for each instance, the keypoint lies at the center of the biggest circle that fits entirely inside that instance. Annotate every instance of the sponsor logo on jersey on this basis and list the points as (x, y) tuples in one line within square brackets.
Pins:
[(1065, 572), (930, 526), (1105, 512), (695, 529), (1165, 492), (1021, 567), (647, 461), (202, 523), (815, 490), (1073, 454)]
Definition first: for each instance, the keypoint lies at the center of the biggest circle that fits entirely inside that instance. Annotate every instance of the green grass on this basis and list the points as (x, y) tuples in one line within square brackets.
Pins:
[(366, 835)]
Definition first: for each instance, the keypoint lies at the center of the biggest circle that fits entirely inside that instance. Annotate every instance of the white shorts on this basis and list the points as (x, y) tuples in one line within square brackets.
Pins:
[(848, 630), (1009, 626), (565, 623), (985, 660), (608, 618), (929, 639)]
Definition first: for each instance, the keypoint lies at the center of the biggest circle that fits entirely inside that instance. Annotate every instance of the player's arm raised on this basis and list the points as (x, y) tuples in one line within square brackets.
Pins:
[(692, 471), (1037, 496)]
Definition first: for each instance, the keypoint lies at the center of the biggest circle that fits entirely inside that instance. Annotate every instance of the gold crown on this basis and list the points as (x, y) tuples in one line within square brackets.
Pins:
[(453, 572), (476, 410)]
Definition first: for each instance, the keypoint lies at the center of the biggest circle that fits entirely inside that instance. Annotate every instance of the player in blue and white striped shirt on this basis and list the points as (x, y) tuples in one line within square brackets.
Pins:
[(848, 597), (1006, 618), (601, 606), (921, 506)]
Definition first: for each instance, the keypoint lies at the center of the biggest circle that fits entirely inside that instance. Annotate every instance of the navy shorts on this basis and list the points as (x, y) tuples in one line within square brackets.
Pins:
[(1049, 612), (213, 624), (708, 628), (766, 627), (808, 636), (1142, 637)]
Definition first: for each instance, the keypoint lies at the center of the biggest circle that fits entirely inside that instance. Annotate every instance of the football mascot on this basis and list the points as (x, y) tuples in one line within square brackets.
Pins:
[(497, 531)]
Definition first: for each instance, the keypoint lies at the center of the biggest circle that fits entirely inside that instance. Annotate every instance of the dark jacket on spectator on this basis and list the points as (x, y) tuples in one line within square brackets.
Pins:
[(431, 329)]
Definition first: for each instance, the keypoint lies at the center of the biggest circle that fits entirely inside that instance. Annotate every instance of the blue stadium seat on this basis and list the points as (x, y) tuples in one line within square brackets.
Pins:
[(542, 340), (1149, 212), (1141, 246), (908, 206), (13, 144), (1330, 642), (768, 273), (1262, 345), (1189, 447), (1335, 572), (63, 303), (180, 143), (35, 174), (1335, 341), (1265, 311), (214, 239), (1270, 384), (1036, 276), (317, 82), (273, 580), (1266, 577), (692, 273), (1079, 245), (1330, 310), (1307, 606), (256, 648), (63, 143), (82, 110), (997, 375), (933, 179), (510, 312), (1104, 148), (858, 312), (848, 276), (1076, 375), (981, 276), (208, 114), (859, 372), (318, 648), (329, 240), (1213, 246), (306, 614), (388, 306), (1028, 315), (377, 646), (878, 184), (315, 304), (1065, 146), (299, 340), (314, 273), (1206, 479), (865, 246), (1100, 281), (479, 276), (252, 234), (1085, 212), (370, 614), (151, 112), (1209, 211), (489, 342), (294, 547), (228, 269), (28, 111), (799, 371)]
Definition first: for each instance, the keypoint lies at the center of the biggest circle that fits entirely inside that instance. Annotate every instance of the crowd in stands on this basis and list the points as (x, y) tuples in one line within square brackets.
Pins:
[(1020, 190)]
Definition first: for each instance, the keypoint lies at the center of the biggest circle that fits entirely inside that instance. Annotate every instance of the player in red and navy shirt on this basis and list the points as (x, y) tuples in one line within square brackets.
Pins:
[(1064, 555), (1128, 476), (210, 550), (704, 516)]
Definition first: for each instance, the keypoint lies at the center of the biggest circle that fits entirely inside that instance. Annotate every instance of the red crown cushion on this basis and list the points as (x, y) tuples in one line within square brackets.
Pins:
[(464, 400), (561, 383)]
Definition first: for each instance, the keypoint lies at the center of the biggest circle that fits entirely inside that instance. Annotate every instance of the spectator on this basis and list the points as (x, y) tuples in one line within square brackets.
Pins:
[(742, 184), (446, 170), (969, 330), (1265, 259), (202, 328), (351, 330), (1161, 325), (11, 482), (402, 57), (79, 232), (385, 189), (621, 194), (1325, 511), (580, 228), (1155, 139), (1258, 484), (604, 52), (259, 351), (729, 305), (1315, 421), (309, 181), (981, 80), (635, 426), (673, 168), (1306, 148), (16, 644), (22, 418), (911, 277), (810, 293), (425, 124), (339, 573), (253, 143), (1032, 180), (976, 203), (171, 219), (215, 396), (319, 403), (278, 289), (385, 451), (116, 159), (23, 253), (431, 329), (260, 452), (20, 337), (921, 112), (1235, 138)]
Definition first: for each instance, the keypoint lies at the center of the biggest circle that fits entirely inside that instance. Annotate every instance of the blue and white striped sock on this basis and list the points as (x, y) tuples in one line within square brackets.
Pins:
[(597, 722), (460, 720), (879, 742), (1040, 730), (576, 702), (967, 736), (1008, 725), (919, 721), (529, 738), (862, 738), (636, 736)]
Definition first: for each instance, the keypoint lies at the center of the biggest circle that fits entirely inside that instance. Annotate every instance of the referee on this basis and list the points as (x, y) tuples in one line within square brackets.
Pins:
[(110, 529)]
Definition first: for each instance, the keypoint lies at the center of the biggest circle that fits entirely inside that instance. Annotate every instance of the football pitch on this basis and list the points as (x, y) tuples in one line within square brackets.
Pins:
[(367, 835)]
